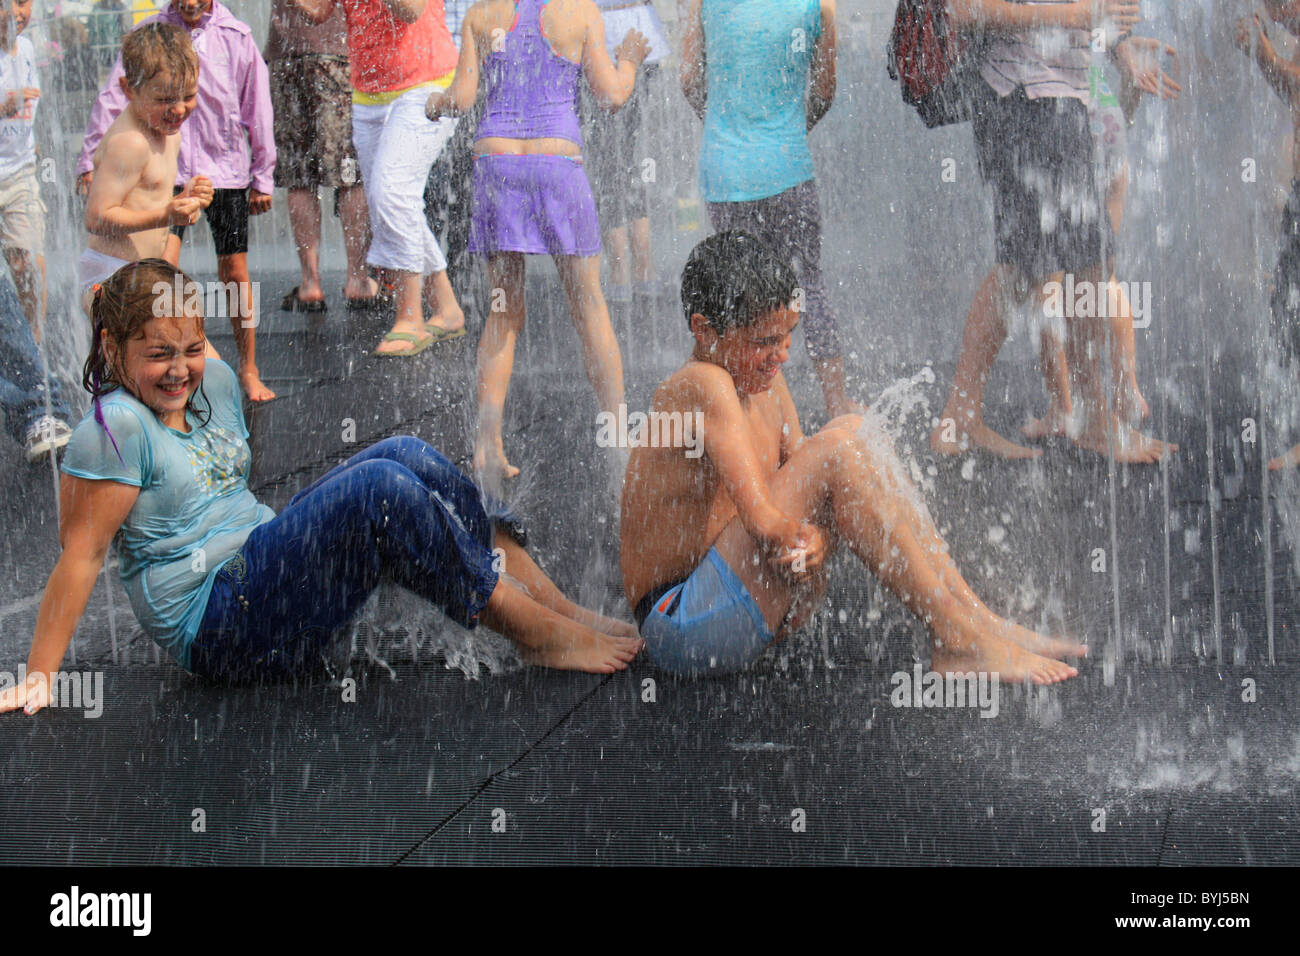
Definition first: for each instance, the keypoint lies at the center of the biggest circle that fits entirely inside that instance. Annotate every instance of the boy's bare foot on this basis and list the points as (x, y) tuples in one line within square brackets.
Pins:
[(1130, 446), (1056, 647), (253, 386), (1012, 665), (977, 651), (949, 440), (585, 650), (967, 638), (1002, 627), (1290, 460)]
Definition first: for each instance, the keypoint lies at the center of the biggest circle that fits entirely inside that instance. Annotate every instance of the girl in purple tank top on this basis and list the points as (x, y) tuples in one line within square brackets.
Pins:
[(531, 195)]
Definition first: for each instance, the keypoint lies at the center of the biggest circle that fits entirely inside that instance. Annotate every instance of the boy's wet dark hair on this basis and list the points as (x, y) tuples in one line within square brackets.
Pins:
[(733, 279)]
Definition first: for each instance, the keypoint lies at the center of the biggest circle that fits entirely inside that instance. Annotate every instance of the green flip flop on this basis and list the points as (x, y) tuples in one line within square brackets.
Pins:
[(419, 344), (444, 335)]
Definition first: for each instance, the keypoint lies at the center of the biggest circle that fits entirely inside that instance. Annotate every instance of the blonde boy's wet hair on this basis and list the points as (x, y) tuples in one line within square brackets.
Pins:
[(158, 48)]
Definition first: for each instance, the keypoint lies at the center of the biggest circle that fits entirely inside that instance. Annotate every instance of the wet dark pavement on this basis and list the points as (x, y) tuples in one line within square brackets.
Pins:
[(1176, 745)]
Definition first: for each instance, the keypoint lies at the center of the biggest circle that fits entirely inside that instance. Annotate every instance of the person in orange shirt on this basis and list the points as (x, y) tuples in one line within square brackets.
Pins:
[(398, 52)]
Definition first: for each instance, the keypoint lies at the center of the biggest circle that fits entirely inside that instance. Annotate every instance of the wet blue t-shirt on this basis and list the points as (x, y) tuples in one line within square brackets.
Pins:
[(194, 510), (757, 57)]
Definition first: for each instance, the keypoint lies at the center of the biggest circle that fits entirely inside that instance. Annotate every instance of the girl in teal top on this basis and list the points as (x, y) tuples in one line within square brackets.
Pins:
[(231, 590)]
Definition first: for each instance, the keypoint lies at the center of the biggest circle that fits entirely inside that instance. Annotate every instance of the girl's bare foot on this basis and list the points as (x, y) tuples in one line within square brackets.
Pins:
[(253, 386), (490, 465), (950, 438), (1290, 460), (623, 629), (601, 623), (584, 650)]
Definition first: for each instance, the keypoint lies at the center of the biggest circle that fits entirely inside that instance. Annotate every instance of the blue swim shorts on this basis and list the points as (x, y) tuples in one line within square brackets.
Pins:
[(707, 624)]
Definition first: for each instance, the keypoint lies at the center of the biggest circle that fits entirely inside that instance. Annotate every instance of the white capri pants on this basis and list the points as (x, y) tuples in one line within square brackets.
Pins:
[(396, 147)]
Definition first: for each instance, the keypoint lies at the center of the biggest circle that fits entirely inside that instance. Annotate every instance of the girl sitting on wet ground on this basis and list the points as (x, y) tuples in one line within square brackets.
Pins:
[(229, 589)]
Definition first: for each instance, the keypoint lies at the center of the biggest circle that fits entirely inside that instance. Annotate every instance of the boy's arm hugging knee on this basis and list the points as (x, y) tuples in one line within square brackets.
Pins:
[(730, 446)]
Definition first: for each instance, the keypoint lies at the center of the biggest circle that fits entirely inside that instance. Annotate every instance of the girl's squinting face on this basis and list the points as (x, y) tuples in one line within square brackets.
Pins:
[(163, 366)]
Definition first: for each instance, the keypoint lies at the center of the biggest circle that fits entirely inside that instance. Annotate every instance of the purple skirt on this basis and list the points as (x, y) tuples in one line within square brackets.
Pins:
[(535, 204)]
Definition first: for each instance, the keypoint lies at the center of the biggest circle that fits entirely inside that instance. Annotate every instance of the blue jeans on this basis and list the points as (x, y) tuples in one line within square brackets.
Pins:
[(22, 373), (399, 509)]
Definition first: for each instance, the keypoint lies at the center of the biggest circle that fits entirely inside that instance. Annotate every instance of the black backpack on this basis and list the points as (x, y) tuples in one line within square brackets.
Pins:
[(936, 69)]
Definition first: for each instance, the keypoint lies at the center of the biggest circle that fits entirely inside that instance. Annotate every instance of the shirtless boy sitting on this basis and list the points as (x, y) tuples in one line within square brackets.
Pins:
[(130, 209), (723, 553)]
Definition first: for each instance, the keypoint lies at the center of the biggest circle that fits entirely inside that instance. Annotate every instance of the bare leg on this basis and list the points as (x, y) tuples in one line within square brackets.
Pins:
[(642, 264), (923, 528), (553, 640), (410, 311), (600, 352), (1129, 402), (841, 483), (354, 216), (1056, 376), (620, 268), (496, 362), (520, 565), (961, 424), (830, 375), (304, 218), (1102, 430), (243, 320), (447, 313)]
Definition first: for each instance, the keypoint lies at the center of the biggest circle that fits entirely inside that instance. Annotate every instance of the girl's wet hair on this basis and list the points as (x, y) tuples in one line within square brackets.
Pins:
[(122, 304), (733, 279)]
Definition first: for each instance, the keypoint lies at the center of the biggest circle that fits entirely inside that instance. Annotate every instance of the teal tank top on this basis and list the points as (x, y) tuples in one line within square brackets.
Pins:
[(758, 54)]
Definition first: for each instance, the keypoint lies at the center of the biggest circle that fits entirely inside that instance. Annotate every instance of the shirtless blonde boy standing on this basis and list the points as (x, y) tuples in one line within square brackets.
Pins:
[(723, 552), (130, 209)]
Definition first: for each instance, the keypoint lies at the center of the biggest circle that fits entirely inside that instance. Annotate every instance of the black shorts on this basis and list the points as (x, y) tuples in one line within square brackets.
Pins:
[(1037, 157), (228, 220)]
